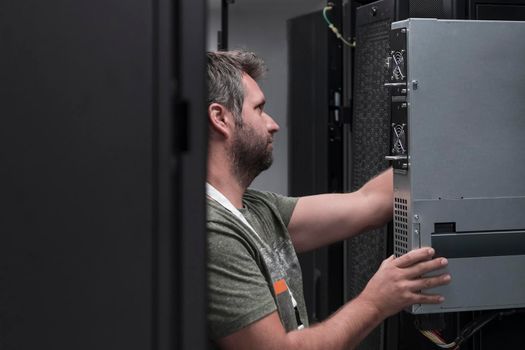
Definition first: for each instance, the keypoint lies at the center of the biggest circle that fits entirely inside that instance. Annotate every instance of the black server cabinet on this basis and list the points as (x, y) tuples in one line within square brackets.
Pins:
[(102, 237), (315, 126)]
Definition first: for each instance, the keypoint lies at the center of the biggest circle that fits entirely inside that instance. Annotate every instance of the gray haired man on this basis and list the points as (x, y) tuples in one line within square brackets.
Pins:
[(255, 287)]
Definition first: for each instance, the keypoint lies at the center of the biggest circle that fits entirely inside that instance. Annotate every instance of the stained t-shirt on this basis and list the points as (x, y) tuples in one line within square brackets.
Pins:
[(249, 275)]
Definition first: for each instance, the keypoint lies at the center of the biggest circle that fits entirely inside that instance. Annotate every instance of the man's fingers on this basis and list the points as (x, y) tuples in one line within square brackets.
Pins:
[(421, 298), (428, 282), (425, 267), (414, 257)]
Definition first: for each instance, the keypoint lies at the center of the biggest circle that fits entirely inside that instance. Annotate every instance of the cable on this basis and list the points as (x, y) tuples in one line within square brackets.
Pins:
[(467, 332), (327, 8), (438, 340)]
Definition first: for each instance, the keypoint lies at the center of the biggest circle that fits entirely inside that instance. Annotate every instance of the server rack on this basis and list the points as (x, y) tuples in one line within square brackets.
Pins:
[(315, 127), (103, 150)]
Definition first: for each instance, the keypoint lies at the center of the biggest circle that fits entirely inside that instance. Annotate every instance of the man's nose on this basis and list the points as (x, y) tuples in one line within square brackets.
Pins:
[(271, 124)]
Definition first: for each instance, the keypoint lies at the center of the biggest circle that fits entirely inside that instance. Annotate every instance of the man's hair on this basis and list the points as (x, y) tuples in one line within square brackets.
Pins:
[(225, 70)]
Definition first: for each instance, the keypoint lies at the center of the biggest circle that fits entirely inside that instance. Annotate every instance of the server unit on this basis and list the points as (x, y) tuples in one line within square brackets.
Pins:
[(458, 117)]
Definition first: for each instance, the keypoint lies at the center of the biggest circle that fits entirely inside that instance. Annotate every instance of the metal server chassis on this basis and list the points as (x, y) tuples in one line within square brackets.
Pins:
[(458, 127)]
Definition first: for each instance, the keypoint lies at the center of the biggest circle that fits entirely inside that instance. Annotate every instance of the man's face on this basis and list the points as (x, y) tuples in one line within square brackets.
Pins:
[(252, 144)]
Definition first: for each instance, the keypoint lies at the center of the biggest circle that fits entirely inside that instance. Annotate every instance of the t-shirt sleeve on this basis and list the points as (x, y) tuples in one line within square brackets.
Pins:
[(285, 205), (238, 292)]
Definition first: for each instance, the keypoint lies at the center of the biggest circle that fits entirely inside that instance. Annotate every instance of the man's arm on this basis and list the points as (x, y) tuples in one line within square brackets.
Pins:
[(395, 286), (323, 219)]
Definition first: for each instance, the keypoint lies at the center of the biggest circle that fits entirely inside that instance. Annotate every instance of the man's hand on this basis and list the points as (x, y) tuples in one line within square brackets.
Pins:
[(399, 281), (396, 285)]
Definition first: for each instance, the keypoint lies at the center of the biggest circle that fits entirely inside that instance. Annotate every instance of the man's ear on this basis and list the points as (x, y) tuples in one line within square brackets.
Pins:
[(221, 119)]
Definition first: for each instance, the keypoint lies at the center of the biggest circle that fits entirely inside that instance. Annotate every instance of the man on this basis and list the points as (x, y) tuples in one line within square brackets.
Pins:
[(255, 285)]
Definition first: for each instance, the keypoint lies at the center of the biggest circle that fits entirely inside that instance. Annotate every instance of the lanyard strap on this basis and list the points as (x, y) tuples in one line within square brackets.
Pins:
[(217, 196), (225, 202)]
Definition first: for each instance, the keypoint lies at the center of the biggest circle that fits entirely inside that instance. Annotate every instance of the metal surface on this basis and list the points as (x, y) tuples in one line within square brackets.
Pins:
[(465, 133), (395, 157), (189, 191), (78, 181), (370, 143), (97, 189)]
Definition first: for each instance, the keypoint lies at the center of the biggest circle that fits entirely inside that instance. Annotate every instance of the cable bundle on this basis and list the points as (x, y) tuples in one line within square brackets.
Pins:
[(437, 339)]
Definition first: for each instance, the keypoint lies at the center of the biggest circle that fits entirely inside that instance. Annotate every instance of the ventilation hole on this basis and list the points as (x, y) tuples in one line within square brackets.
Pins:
[(401, 226)]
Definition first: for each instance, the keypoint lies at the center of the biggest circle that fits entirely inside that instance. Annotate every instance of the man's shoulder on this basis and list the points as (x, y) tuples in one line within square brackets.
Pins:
[(254, 194), (277, 203), (268, 198)]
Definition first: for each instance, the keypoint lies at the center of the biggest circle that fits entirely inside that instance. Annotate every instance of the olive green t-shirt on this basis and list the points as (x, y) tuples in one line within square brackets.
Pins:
[(249, 275)]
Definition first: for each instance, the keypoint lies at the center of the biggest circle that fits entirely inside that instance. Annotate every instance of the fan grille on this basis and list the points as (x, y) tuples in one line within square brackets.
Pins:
[(399, 139), (398, 59)]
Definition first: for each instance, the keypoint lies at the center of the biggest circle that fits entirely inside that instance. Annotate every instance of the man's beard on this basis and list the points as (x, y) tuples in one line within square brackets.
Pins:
[(250, 154)]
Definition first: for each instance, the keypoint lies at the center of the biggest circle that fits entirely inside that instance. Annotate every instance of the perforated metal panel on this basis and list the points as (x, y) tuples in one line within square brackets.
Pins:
[(400, 226), (370, 141), (428, 8)]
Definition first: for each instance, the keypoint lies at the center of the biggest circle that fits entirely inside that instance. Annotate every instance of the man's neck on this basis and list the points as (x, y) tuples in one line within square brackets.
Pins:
[(222, 176), (229, 187)]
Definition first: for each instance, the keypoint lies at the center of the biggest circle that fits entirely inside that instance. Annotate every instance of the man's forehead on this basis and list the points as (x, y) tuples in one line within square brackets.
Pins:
[(252, 91)]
